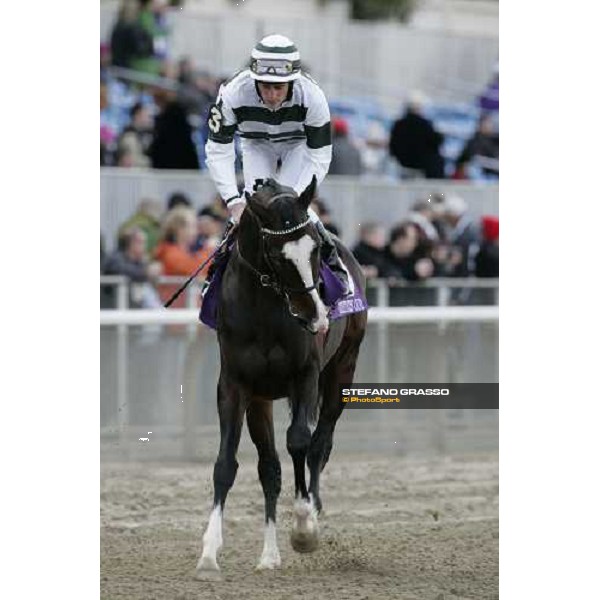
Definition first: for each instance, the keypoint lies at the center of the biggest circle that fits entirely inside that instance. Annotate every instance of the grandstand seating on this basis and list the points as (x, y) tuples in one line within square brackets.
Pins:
[(456, 121)]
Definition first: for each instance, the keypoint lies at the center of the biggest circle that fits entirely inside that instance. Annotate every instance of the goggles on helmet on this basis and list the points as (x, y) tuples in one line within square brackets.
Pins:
[(269, 66)]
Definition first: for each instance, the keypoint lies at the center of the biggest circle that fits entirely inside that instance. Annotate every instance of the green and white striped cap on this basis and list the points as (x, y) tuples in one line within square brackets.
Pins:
[(276, 59)]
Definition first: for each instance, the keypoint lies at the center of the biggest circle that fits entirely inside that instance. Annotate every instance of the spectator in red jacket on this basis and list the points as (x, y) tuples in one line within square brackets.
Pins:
[(345, 158), (487, 259)]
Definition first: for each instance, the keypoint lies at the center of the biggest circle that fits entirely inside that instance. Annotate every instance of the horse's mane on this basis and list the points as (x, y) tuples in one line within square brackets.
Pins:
[(275, 188)]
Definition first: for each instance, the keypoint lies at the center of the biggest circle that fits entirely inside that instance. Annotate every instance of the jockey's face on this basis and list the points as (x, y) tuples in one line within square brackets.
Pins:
[(273, 94)]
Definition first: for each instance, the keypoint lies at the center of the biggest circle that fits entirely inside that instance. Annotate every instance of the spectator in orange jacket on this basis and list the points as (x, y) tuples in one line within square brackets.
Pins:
[(173, 252)]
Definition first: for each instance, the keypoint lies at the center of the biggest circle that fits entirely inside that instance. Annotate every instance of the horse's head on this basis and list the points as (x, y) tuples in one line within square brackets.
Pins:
[(291, 248)]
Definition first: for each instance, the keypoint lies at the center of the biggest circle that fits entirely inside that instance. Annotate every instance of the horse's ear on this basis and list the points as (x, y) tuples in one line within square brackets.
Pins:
[(308, 194), (248, 196)]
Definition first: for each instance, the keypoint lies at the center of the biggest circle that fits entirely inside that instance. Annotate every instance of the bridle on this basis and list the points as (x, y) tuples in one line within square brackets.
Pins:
[(271, 279)]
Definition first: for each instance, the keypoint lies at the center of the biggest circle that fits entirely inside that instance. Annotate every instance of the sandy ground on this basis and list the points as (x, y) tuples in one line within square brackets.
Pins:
[(392, 527)]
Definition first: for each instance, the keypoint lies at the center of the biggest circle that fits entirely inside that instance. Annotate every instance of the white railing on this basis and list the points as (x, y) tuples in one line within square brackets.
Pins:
[(121, 284), (408, 314), (442, 286)]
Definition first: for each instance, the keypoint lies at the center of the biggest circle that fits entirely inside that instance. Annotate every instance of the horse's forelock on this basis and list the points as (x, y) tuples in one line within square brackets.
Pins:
[(280, 201)]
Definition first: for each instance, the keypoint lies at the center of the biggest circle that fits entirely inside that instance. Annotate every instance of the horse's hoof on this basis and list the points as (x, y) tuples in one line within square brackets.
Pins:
[(208, 575), (207, 569), (304, 542), (305, 530), (269, 562)]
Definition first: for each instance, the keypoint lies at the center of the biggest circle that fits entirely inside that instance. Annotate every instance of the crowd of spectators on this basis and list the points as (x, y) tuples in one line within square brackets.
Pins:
[(153, 113), (164, 125), (152, 108), (438, 238), (416, 145), (154, 244)]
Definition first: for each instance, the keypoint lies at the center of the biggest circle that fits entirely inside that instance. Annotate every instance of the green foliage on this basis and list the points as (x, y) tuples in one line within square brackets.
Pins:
[(380, 9)]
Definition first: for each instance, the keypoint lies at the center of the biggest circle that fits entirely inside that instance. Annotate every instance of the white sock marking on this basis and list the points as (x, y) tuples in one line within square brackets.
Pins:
[(212, 541), (298, 252), (270, 557)]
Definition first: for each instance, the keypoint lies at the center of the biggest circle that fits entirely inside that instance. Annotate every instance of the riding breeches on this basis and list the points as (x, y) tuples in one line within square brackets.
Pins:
[(260, 160)]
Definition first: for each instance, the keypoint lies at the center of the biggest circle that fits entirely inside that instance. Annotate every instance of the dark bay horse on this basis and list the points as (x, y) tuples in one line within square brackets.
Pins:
[(276, 342)]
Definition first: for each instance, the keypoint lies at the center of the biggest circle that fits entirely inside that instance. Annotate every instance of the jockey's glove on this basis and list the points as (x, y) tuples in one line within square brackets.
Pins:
[(236, 207)]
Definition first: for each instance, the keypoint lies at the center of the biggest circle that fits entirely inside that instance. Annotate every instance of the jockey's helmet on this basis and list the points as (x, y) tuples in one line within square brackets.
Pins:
[(275, 59)]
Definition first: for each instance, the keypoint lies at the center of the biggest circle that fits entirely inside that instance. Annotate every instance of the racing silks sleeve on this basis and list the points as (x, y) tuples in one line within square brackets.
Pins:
[(317, 127), (220, 151)]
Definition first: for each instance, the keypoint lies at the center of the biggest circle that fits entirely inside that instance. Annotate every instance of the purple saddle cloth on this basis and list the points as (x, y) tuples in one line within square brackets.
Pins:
[(333, 290)]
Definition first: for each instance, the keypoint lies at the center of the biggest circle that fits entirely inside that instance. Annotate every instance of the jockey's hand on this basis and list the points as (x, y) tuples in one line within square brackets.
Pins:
[(235, 212)]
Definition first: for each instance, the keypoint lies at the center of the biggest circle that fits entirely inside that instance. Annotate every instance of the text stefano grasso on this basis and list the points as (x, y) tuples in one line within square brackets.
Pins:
[(396, 391)]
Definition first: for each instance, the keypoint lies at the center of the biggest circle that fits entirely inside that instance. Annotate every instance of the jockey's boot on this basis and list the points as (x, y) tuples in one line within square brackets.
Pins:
[(330, 255), (221, 255)]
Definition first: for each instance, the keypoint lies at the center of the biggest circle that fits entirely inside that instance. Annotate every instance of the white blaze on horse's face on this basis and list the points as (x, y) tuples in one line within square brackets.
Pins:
[(298, 252)]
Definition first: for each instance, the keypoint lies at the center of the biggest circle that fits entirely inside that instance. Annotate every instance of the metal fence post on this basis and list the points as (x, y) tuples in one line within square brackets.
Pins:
[(443, 299), (383, 292), (443, 295), (190, 302), (123, 368), (383, 299)]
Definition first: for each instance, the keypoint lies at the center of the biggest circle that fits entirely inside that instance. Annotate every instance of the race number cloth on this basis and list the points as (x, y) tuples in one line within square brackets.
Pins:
[(331, 296)]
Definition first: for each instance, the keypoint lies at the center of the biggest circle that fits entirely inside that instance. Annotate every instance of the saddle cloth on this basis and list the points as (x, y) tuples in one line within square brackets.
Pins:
[(331, 296)]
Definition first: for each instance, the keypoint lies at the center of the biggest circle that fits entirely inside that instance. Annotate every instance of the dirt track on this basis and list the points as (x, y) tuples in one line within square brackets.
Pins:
[(402, 528)]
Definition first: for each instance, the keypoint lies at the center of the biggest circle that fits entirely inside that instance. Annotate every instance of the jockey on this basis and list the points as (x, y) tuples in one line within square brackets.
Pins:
[(282, 117)]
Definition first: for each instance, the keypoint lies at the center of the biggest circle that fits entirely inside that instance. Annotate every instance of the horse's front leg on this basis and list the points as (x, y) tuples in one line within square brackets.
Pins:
[(259, 417), (303, 398), (231, 405)]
